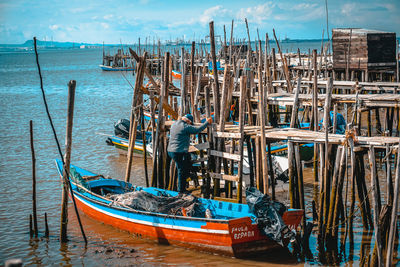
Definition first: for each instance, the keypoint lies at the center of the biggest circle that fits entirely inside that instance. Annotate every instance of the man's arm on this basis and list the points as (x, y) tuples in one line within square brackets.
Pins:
[(190, 129)]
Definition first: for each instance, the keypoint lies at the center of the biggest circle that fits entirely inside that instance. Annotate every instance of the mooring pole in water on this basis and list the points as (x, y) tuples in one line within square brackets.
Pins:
[(67, 160), (35, 226), (56, 138), (375, 196), (393, 221), (30, 226), (46, 226)]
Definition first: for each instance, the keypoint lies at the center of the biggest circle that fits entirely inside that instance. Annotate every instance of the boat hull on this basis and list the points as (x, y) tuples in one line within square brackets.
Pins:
[(238, 238), (121, 145), (232, 232), (109, 68)]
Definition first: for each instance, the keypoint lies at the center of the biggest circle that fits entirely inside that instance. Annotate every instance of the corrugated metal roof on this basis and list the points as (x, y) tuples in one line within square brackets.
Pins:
[(359, 31)]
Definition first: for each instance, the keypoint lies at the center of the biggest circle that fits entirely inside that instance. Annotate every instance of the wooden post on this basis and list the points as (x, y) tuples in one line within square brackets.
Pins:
[(326, 183), (183, 109), (300, 186), (375, 196), (395, 207), (215, 73), (295, 109), (196, 112), (134, 115), (292, 174), (46, 226), (192, 76), (271, 171), (241, 131), (274, 73), (348, 56), (35, 226), (285, 66), (67, 161), (334, 119), (315, 117), (231, 45), (142, 127), (224, 99), (210, 162), (330, 220), (262, 117), (30, 226), (397, 62)]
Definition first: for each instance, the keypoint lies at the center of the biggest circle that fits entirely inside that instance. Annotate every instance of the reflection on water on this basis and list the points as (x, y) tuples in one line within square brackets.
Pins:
[(101, 99)]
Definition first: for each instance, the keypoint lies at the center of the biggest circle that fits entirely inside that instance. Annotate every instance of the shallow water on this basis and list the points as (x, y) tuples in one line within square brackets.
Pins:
[(101, 99)]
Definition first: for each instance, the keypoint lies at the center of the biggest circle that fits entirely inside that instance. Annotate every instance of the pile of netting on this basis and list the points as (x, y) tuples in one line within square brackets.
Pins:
[(181, 205), (269, 216)]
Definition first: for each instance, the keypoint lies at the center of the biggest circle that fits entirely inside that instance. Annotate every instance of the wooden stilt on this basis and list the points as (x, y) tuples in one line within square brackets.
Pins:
[(35, 226)]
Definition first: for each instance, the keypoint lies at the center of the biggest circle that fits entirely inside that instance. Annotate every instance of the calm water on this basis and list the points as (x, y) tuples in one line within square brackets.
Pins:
[(101, 99)]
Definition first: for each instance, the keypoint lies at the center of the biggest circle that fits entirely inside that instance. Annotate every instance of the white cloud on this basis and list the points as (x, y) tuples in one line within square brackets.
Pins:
[(108, 17), (256, 14), (212, 13), (348, 9), (54, 27), (105, 25)]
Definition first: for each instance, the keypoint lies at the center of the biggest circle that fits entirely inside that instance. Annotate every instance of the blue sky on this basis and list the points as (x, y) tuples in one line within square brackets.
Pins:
[(95, 21)]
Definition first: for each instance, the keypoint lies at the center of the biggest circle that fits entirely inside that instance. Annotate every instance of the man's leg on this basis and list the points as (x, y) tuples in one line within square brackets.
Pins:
[(179, 161)]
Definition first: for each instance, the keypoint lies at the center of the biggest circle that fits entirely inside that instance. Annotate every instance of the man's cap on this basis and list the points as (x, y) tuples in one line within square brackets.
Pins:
[(190, 117)]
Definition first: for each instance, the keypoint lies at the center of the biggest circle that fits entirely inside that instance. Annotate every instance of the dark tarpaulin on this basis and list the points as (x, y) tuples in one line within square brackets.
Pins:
[(269, 216)]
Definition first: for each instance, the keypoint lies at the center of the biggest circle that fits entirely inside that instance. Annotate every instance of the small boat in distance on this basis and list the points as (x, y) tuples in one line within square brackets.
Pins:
[(110, 68), (176, 74), (224, 228)]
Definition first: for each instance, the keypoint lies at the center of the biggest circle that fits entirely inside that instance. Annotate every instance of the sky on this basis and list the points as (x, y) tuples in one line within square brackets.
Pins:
[(112, 22)]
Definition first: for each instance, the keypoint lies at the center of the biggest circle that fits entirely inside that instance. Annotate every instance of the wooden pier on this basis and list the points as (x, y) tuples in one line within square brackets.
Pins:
[(256, 93)]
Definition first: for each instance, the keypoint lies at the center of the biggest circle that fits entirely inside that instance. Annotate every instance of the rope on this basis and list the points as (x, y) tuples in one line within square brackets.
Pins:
[(56, 139), (352, 214)]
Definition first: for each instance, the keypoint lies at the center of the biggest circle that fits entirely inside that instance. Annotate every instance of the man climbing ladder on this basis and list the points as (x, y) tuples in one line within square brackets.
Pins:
[(178, 146)]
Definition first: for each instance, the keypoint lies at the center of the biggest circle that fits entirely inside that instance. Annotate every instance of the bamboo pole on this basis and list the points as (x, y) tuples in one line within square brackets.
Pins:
[(67, 160), (395, 207), (35, 226)]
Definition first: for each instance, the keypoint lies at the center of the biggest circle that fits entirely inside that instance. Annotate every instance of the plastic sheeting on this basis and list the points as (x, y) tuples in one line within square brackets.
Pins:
[(269, 216), (182, 204)]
